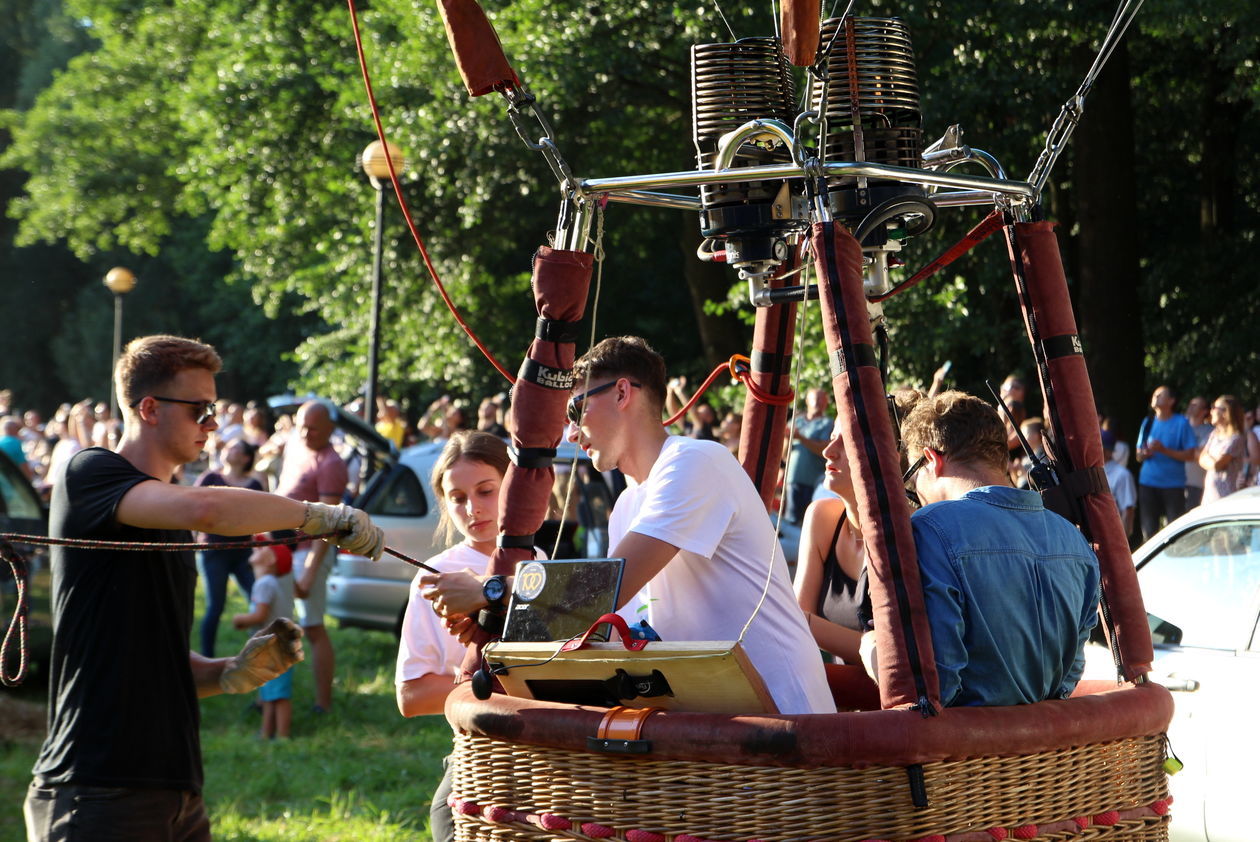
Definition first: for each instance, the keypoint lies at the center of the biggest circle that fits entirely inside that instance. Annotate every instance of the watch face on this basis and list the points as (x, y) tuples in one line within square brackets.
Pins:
[(493, 589)]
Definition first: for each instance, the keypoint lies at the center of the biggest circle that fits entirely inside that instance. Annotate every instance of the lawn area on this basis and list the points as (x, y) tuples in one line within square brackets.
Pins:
[(361, 772)]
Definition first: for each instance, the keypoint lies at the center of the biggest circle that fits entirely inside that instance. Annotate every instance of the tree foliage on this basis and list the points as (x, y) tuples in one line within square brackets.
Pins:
[(218, 140)]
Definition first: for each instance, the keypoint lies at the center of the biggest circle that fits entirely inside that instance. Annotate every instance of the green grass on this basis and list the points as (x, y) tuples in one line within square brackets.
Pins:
[(360, 772)]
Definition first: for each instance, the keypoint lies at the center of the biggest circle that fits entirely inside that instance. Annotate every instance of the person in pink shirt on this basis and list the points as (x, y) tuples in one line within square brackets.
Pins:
[(314, 472)]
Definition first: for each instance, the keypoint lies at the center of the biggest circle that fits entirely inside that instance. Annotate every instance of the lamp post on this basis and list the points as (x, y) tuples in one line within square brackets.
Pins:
[(119, 281), (375, 164)]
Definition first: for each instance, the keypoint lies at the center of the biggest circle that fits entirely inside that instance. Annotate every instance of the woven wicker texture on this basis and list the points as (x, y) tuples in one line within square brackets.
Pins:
[(724, 802)]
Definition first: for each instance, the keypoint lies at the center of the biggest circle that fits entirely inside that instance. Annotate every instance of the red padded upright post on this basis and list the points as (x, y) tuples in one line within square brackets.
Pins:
[(1073, 417), (560, 284), (761, 437), (907, 671), (478, 53)]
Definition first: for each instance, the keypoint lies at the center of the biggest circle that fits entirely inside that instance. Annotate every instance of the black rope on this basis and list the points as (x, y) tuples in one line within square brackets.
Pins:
[(19, 626)]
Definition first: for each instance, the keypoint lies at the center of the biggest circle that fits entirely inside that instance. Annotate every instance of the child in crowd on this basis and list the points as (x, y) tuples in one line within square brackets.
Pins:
[(271, 597)]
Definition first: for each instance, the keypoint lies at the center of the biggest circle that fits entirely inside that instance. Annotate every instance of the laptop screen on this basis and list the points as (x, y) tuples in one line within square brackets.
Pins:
[(557, 600)]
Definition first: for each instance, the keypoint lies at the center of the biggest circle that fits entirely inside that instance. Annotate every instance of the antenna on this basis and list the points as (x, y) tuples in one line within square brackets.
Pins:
[(1043, 474)]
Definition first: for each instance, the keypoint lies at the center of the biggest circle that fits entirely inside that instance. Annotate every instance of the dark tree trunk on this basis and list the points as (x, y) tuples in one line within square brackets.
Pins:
[(1218, 180), (1104, 186), (720, 335)]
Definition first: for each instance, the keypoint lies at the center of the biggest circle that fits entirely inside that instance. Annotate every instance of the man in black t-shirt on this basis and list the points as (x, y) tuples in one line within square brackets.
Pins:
[(122, 759)]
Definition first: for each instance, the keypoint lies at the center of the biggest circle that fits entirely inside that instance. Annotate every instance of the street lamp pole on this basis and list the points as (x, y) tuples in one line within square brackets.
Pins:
[(374, 163), (119, 281)]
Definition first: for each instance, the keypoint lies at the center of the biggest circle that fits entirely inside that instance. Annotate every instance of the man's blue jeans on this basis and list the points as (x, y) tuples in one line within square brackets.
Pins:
[(216, 566)]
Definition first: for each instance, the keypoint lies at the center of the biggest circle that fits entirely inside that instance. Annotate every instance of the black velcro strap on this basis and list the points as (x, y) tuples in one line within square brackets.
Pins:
[(918, 786), (553, 330), (532, 457), (532, 371), (1086, 481), (865, 356), (1068, 345), (769, 362), (518, 542)]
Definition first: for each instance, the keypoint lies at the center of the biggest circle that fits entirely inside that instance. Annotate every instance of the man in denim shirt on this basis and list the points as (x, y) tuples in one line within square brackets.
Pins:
[(1010, 589)]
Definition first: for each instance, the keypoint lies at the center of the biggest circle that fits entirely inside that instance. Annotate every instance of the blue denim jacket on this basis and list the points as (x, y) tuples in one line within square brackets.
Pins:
[(1011, 592)]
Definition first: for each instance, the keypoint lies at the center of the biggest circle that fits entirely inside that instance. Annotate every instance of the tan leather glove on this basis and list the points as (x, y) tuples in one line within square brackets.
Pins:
[(265, 656), (355, 532)]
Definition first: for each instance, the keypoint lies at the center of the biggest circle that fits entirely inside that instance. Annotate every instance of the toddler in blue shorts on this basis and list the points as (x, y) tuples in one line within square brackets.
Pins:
[(272, 597)]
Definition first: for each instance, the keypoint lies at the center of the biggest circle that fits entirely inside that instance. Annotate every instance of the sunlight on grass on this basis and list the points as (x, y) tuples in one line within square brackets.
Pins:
[(339, 816), (382, 683), (360, 771)]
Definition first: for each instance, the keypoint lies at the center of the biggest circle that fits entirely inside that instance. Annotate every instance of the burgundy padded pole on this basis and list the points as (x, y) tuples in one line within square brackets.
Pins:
[(762, 434), (907, 670), (560, 283), (800, 31), (478, 53), (1038, 268)]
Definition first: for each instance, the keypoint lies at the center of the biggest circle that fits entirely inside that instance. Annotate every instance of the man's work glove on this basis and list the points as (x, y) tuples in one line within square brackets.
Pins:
[(265, 656), (354, 531)]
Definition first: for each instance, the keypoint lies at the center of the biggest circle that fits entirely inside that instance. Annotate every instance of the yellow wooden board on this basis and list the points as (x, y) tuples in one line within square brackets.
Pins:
[(704, 676)]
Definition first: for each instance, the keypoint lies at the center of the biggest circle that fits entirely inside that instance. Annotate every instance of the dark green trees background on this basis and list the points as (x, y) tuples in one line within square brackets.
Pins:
[(210, 147)]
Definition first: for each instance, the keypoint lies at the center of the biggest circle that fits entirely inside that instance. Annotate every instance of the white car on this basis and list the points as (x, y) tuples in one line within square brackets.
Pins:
[(400, 500), (1200, 579)]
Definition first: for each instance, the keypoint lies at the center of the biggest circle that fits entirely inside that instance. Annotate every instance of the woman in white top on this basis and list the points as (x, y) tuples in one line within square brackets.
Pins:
[(1226, 449), (466, 481)]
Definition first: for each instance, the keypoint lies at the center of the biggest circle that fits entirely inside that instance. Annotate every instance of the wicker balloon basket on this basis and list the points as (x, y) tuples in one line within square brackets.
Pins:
[(803, 778)]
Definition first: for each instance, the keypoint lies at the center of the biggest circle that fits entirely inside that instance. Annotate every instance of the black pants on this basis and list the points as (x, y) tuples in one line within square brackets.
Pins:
[(1154, 503), (441, 822), (105, 813)]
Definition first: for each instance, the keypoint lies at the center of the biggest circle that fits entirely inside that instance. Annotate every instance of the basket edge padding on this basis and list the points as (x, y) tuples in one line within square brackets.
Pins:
[(855, 739)]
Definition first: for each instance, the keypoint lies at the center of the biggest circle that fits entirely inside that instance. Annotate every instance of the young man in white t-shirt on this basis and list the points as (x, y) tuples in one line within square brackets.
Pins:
[(698, 544)]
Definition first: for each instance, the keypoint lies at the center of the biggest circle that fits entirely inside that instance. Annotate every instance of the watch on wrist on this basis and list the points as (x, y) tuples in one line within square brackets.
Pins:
[(494, 590)]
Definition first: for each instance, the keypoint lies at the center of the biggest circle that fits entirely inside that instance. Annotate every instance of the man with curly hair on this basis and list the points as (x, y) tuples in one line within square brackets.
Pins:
[(1010, 589)]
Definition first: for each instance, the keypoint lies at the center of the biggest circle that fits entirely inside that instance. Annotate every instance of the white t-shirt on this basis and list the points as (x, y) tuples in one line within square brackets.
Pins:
[(277, 593), (1122, 486), (426, 646), (698, 498)]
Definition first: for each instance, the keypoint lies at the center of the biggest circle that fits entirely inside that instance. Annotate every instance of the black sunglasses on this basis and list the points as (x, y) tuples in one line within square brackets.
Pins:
[(574, 411), (205, 409), (911, 494), (914, 469)]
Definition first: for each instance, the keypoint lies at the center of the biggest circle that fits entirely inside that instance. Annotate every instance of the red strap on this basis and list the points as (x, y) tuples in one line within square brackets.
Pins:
[(740, 368), (973, 238), (618, 623)]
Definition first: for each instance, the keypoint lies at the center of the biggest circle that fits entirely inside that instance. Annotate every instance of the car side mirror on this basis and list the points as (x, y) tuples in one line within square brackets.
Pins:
[(1163, 633)]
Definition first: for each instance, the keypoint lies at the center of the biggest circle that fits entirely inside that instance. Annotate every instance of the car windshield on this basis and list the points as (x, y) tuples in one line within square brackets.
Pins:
[(16, 498), (1205, 582)]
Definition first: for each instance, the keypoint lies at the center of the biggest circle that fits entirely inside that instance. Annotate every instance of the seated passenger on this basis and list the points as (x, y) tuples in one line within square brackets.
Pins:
[(1010, 589), (831, 570), (692, 529)]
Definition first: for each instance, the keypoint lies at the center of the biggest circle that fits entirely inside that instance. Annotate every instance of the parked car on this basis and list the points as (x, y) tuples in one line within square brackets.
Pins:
[(23, 512), (400, 500), (1200, 579)]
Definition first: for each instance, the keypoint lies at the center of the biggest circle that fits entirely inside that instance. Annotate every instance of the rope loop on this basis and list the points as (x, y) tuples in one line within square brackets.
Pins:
[(19, 626), (740, 368)]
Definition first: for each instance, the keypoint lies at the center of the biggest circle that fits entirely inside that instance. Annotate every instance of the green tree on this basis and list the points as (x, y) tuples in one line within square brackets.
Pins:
[(241, 122)]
